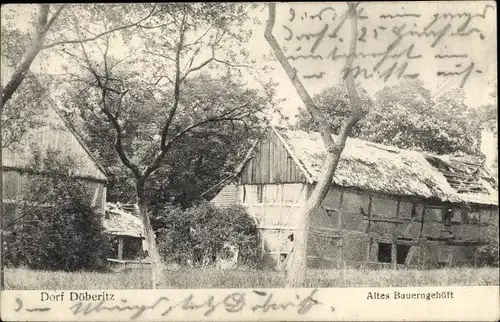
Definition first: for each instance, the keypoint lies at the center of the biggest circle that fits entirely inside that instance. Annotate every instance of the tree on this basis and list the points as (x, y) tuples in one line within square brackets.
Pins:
[(488, 114), (195, 163), (334, 147), (50, 33), (406, 116), (149, 118)]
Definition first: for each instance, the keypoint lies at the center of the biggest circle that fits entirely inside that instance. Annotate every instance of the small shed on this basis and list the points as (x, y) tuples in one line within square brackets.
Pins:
[(386, 206), (127, 230)]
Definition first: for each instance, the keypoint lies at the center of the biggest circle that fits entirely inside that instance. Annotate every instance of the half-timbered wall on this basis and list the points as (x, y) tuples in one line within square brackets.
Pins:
[(275, 207), (358, 226)]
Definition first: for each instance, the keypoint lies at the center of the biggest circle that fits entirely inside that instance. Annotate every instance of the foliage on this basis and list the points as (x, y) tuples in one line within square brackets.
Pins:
[(488, 253), (51, 26), (197, 161), (18, 115), (199, 234), (406, 116), (55, 227), (489, 113)]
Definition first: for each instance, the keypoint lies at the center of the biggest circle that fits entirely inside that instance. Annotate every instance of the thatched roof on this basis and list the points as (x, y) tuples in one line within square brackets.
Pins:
[(54, 133), (468, 176), (118, 221), (376, 167)]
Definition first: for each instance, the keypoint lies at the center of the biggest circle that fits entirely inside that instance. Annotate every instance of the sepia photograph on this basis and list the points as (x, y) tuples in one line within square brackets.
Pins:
[(297, 147)]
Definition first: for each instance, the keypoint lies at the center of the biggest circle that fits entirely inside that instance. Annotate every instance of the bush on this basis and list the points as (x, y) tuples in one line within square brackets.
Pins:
[(200, 234), (488, 253), (56, 228)]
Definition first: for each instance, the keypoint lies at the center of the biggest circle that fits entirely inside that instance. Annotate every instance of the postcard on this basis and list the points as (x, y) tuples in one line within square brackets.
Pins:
[(237, 161)]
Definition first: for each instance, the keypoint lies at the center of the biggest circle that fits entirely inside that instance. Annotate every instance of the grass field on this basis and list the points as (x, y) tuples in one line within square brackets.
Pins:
[(24, 279)]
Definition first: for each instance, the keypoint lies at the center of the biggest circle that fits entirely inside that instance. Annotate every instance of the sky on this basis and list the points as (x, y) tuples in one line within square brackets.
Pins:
[(299, 25)]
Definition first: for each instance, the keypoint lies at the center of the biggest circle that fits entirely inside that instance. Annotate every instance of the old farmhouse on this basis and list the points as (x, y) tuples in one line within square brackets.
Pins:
[(51, 133), (386, 206)]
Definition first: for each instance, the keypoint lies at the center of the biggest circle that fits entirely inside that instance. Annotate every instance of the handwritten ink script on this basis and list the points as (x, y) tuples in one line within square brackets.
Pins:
[(323, 304), (394, 42), (254, 301)]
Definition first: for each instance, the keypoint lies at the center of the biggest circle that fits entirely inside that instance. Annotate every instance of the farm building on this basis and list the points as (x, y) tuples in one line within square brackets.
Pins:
[(51, 133), (386, 206), (127, 231)]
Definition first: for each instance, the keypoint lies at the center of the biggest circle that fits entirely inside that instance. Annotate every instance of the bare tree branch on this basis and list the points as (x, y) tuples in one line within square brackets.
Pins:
[(118, 143), (112, 119), (177, 84), (54, 17), (292, 75), (233, 65), (159, 55), (203, 35), (189, 71), (213, 59), (358, 111), (160, 77), (78, 41), (121, 60)]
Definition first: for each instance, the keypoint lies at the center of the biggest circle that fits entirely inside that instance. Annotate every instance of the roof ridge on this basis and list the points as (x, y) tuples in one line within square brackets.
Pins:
[(391, 147), (394, 170)]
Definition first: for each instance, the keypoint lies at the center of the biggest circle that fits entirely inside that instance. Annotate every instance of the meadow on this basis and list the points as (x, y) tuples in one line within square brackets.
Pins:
[(25, 279)]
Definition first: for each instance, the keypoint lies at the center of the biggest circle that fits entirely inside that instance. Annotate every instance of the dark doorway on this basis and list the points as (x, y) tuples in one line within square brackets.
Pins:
[(402, 253), (384, 252)]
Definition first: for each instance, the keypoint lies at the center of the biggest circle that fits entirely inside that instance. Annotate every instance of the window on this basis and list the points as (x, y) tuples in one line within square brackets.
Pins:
[(402, 253), (485, 217), (384, 253)]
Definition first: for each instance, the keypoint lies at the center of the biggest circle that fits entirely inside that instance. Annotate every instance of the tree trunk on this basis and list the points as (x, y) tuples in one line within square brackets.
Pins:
[(296, 275), (153, 253), (23, 67)]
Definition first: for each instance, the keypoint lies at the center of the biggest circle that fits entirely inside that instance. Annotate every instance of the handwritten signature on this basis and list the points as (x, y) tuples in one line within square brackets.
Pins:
[(232, 303)]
